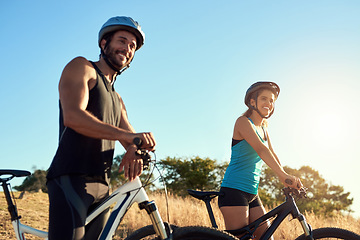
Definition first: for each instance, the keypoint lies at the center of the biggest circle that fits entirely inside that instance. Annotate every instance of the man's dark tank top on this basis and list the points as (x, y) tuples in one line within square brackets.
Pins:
[(81, 155)]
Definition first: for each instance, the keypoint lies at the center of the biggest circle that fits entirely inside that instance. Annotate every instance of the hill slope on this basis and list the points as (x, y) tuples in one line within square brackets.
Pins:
[(33, 208)]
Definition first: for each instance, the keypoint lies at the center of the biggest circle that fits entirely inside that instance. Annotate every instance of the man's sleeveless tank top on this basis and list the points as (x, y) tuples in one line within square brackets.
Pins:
[(81, 155), (243, 172)]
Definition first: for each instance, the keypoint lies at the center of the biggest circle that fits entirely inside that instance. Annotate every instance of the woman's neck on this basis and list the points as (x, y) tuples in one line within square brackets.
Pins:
[(257, 119)]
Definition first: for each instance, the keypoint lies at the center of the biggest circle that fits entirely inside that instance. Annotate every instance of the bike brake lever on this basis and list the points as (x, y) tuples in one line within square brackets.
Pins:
[(303, 192), (145, 156)]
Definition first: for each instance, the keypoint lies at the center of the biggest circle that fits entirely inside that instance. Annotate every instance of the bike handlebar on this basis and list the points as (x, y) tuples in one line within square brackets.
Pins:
[(294, 192), (144, 154), (138, 142)]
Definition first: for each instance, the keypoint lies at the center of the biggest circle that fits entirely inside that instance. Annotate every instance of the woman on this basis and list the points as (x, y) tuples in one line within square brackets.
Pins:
[(240, 203)]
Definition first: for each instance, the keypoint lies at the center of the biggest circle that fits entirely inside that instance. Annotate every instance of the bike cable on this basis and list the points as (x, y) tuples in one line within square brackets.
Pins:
[(148, 182), (166, 194)]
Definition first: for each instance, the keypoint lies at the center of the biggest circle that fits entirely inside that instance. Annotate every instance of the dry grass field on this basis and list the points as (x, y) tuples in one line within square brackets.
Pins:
[(33, 208)]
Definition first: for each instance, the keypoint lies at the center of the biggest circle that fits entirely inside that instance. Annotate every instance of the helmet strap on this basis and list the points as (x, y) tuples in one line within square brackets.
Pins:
[(118, 72)]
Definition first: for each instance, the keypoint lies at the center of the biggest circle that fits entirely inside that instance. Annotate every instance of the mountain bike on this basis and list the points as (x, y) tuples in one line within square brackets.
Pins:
[(121, 199), (279, 213)]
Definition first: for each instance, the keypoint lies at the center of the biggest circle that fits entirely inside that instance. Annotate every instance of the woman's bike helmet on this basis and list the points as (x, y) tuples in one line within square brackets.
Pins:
[(123, 23), (254, 88)]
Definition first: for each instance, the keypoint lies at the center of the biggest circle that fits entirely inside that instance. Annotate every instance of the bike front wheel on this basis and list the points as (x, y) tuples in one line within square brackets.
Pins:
[(148, 233), (182, 233), (332, 233), (201, 233)]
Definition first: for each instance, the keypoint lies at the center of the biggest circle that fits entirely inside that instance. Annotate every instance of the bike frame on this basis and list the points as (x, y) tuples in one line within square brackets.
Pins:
[(123, 197), (19, 228), (280, 213)]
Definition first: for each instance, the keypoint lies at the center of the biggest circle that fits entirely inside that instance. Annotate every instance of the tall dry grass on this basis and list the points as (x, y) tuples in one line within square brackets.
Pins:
[(183, 212)]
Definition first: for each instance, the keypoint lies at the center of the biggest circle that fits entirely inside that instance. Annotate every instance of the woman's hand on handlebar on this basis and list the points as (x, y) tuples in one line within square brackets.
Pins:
[(293, 182)]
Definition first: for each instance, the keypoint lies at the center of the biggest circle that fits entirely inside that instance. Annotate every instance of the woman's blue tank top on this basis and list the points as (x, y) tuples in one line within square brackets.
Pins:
[(243, 172)]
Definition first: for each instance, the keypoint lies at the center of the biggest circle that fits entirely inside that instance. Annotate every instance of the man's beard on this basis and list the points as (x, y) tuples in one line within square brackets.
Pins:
[(111, 55)]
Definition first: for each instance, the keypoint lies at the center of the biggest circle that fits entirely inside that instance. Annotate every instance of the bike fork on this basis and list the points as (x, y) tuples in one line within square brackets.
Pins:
[(306, 227), (155, 217)]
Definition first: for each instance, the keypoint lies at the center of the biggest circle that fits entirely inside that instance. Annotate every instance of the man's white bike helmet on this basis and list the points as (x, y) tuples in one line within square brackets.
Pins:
[(123, 23)]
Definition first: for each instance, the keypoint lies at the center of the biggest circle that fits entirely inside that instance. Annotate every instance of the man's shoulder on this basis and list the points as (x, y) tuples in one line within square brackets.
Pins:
[(79, 68), (80, 64), (80, 61)]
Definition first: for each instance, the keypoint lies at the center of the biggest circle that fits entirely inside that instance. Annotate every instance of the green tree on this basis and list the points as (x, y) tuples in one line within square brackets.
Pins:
[(193, 173), (323, 198), (35, 182), (117, 178)]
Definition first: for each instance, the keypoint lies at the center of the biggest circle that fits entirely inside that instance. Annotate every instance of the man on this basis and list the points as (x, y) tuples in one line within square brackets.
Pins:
[(92, 118)]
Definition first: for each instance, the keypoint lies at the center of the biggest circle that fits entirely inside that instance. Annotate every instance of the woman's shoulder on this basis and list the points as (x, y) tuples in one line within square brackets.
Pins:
[(242, 126), (242, 123), (242, 120)]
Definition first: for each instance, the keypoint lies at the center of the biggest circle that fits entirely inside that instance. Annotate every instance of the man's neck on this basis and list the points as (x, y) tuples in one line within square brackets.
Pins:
[(108, 72)]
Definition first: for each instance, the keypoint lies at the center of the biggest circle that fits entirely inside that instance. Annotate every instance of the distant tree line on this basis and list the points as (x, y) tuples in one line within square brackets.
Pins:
[(36, 182), (180, 174)]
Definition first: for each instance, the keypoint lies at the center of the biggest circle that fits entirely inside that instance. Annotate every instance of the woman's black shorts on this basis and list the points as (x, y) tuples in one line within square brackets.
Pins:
[(234, 197)]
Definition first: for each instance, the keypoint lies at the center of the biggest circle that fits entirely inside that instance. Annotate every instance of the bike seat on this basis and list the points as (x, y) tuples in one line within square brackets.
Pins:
[(15, 173), (204, 195)]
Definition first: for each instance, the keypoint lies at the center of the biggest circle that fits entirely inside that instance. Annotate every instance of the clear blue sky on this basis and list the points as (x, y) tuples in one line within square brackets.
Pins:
[(187, 83)]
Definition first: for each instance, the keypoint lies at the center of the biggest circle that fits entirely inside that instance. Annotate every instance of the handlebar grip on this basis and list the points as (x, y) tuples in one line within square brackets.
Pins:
[(138, 142), (145, 156)]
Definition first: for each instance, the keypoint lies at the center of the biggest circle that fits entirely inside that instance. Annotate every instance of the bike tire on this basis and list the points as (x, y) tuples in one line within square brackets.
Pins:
[(201, 233), (332, 233), (148, 233), (182, 233)]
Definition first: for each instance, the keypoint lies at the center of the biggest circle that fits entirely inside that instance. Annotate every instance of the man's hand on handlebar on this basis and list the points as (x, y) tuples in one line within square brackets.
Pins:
[(132, 162), (146, 141)]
